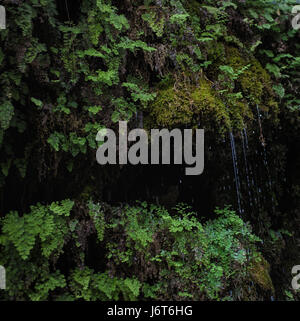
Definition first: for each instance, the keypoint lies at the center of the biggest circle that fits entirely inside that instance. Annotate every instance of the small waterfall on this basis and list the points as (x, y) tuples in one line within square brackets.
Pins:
[(245, 145), (256, 185), (236, 172), (251, 175)]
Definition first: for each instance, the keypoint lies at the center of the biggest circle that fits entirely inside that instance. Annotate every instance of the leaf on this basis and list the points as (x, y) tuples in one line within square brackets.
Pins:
[(37, 102), (53, 140), (274, 69), (254, 46), (6, 114), (269, 53), (94, 109), (280, 91)]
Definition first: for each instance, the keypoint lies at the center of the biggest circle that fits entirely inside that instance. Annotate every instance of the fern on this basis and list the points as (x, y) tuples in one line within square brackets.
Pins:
[(6, 114), (43, 222), (97, 216)]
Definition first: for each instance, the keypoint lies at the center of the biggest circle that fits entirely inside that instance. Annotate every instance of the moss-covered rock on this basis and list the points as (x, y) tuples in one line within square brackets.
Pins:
[(184, 102), (260, 273), (255, 82)]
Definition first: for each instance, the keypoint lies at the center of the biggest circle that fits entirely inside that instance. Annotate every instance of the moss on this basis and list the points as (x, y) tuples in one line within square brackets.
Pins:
[(183, 102), (171, 107), (185, 99), (255, 82), (239, 111), (209, 104), (259, 271)]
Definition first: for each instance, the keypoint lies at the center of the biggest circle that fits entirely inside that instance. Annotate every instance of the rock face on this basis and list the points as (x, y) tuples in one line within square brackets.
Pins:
[(260, 272), (71, 68)]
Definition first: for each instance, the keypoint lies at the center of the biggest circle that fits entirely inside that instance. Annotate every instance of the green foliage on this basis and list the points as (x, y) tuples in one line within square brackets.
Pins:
[(37, 102), (6, 114), (139, 91), (46, 223), (155, 22), (97, 216), (80, 63), (80, 71), (50, 283), (90, 286), (64, 76), (180, 103), (28, 246), (73, 144), (203, 258)]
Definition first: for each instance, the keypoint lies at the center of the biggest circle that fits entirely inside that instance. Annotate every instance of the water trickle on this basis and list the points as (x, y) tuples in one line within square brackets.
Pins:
[(236, 172), (251, 175), (246, 138), (245, 145)]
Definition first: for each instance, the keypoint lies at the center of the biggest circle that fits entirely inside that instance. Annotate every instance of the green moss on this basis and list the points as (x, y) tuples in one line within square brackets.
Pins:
[(172, 107), (255, 82), (210, 105), (239, 112), (185, 102), (259, 271)]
